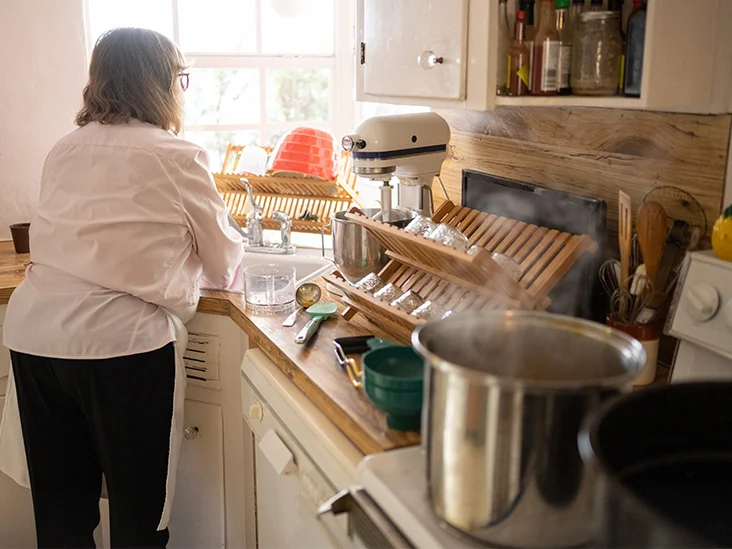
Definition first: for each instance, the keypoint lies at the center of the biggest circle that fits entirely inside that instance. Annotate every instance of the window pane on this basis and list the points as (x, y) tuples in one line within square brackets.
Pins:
[(216, 143), (274, 136), (149, 14), (297, 94), (298, 26), (223, 96), (218, 26)]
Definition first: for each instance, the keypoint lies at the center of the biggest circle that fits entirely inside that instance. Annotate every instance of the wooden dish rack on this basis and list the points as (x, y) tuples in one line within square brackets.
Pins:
[(459, 281), (291, 195)]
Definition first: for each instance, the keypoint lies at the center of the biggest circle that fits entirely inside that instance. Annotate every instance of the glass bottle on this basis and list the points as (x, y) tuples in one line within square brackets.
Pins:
[(504, 42), (617, 7), (596, 53), (545, 67), (565, 45), (528, 6), (596, 5), (519, 58), (634, 49)]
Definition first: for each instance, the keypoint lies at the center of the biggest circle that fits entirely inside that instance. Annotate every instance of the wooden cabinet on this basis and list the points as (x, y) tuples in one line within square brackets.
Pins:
[(687, 59), (197, 518)]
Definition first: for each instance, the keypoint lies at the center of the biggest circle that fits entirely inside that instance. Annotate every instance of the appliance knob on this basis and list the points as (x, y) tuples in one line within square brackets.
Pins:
[(728, 313), (256, 411), (428, 59), (702, 302)]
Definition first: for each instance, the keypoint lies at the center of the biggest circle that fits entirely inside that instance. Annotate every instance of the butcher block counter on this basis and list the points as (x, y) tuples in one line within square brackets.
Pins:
[(312, 368)]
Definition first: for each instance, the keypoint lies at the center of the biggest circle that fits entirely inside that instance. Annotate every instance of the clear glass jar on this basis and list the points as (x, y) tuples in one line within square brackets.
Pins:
[(597, 50)]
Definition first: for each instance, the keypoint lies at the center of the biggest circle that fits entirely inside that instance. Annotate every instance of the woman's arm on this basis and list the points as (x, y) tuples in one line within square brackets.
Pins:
[(217, 244)]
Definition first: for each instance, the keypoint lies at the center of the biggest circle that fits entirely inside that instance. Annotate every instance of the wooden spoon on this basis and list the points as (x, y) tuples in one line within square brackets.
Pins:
[(651, 226)]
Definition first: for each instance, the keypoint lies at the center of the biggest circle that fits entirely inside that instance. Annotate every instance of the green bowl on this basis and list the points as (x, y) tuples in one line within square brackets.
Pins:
[(393, 379)]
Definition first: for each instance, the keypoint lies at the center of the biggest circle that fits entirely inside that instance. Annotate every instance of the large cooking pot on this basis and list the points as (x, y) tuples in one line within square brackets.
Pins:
[(505, 396), (665, 461), (355, 252)]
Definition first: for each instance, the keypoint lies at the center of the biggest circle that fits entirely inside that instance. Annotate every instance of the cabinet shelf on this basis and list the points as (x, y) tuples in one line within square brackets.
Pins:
[(610, 102)]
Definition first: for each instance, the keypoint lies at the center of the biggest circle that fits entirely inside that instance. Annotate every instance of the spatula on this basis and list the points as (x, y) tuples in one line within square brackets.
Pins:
[(651, 227), (318, 313)]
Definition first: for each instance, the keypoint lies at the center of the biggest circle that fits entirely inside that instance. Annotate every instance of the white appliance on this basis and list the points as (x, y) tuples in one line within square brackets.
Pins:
[(702, 319), (300, 459), (410, 146)]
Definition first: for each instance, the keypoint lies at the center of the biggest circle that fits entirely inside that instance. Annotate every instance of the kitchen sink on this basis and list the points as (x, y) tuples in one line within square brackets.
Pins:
[(308, 264)]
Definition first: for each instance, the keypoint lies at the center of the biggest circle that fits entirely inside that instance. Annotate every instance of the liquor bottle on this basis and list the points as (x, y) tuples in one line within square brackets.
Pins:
[(565, 45), (519, 68), (528, 6), (597, 5), (545, 67), (504, 42)]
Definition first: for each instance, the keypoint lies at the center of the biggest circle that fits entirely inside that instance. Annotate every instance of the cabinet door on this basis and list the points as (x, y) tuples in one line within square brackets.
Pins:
[(414, 48), (198, 509)]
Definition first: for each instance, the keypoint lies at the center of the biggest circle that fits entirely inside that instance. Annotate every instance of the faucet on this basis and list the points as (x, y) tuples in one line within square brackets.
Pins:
[(285, 231), (255, 228)]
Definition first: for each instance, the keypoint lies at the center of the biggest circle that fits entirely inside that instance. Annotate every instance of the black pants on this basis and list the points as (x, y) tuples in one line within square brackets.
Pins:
[(82, 418)]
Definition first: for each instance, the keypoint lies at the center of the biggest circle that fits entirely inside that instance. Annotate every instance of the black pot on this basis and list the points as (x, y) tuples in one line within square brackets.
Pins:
[(665, 461)]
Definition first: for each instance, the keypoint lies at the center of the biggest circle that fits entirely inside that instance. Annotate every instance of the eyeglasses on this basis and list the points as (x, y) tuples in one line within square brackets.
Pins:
[(184, 79)]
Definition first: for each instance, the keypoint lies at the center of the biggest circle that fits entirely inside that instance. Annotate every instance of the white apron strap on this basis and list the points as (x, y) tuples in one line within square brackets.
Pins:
[(12, 451)]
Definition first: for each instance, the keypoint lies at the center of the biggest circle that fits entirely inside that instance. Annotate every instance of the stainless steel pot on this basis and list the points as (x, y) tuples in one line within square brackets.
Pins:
[(355, 252), (505, 396)]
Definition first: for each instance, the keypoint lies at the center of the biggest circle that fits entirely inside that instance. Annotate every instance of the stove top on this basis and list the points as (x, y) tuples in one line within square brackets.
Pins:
[(396, 481)]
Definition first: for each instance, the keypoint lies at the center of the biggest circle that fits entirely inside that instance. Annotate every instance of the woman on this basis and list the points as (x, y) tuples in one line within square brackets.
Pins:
[(128, 222)]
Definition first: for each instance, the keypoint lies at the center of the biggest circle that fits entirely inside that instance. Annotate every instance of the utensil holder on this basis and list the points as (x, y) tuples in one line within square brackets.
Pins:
[(649, 335)]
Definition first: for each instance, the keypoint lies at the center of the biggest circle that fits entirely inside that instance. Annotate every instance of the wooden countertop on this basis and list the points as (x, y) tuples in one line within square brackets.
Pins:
[(312, 368)]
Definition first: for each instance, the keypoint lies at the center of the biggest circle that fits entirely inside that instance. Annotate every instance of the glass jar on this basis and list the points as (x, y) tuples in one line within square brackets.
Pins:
[(597, 51)]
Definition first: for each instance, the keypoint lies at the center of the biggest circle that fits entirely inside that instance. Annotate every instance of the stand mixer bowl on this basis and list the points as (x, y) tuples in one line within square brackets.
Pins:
[(355, 252)]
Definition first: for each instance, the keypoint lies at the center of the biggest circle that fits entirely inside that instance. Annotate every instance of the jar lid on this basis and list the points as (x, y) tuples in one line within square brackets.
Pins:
[(598, 15)]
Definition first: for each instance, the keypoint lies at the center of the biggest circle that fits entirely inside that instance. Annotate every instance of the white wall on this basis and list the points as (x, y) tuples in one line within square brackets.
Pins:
[(42, 73)]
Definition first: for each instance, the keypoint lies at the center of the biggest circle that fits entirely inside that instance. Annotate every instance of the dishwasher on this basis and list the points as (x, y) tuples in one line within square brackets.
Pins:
[(300, 460)]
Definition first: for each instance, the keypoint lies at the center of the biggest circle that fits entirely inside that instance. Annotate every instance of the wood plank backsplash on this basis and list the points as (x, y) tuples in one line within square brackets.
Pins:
[(593, 152)]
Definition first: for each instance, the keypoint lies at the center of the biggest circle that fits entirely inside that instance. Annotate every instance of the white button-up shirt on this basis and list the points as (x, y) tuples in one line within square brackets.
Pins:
[(128, 221)]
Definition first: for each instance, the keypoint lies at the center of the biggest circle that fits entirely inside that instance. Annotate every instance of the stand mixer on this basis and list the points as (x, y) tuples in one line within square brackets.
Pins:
[(411, 147)]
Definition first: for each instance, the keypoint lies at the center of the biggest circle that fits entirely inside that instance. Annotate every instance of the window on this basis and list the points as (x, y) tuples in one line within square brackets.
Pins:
[(260, 67)]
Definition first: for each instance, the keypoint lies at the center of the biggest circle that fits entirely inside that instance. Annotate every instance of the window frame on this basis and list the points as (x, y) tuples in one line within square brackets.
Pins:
[(343, 107)]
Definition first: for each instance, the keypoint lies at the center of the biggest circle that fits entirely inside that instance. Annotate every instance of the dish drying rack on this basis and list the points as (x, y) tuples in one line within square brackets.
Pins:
[(457, 280), (294, 196)]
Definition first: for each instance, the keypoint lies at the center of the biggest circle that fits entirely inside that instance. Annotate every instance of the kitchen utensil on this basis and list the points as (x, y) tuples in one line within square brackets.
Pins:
[(269, 289), (355, 252), (650, 226), (307, 151), (670, 263), (408, 302), (635, 253), (649, 336), (680, 206), (449, 236), (625, 306), (389, 293), (610, 276), (393, 379), (318, 313), (353, 345), (640, 279), (625, 230), (428, 310), (370, 284), (20, 233), (664, 455), (306, 295), (506, 395), (421, 225)]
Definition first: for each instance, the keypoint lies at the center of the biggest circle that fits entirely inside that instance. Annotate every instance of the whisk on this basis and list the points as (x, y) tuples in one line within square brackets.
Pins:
[(628, 300), (610, 276)]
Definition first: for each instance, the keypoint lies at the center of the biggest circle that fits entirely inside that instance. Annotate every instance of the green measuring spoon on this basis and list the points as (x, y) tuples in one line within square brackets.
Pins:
[(318, 313)]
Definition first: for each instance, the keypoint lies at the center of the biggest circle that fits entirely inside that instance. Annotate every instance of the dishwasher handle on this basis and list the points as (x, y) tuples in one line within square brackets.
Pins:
[(365, 520)]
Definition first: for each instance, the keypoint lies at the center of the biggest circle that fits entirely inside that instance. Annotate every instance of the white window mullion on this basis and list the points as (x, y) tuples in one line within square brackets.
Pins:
[(216, 61)]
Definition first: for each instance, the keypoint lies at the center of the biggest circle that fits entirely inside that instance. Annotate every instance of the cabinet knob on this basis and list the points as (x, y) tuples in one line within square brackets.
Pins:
[(190, 433), (256, 411), (702, 302), (428, 59)]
